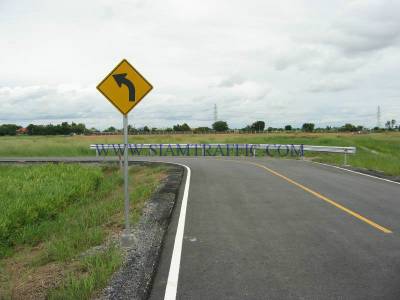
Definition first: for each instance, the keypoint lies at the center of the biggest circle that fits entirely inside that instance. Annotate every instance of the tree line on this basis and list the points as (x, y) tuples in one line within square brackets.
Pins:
[(60, 129), (219, 126)]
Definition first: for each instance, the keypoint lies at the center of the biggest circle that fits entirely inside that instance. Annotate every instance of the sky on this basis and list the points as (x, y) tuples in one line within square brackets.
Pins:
[(283, 62)]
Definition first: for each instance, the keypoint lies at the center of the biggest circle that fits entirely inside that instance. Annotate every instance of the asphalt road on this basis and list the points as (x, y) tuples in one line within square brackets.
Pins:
[(251, 234), (282, 229)]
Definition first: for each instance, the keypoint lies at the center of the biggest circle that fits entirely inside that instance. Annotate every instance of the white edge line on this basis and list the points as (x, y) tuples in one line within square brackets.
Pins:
[(173, 275), (355, 172)]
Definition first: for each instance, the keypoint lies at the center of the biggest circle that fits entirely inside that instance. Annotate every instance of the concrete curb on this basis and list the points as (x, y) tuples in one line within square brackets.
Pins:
[(134, 279)]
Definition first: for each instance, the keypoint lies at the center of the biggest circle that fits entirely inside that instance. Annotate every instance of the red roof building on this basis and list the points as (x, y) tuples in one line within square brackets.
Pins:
[(22, 131)]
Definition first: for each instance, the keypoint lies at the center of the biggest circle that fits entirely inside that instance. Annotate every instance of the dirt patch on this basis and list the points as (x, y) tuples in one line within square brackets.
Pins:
[(35, 284), (24, 281), (21, 281)]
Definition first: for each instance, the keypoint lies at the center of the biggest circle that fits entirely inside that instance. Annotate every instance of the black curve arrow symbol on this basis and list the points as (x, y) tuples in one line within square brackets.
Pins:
[(121, 79)]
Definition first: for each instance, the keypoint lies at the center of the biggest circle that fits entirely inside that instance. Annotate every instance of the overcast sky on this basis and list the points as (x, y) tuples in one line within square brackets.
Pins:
[(284, 62)]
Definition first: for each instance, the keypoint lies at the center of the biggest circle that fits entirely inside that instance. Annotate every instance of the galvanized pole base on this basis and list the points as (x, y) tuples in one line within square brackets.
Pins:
[(345, 159), (127, 238)]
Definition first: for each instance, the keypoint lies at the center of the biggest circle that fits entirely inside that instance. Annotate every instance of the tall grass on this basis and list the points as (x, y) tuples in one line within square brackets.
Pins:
[(29, 195), (51, 214)]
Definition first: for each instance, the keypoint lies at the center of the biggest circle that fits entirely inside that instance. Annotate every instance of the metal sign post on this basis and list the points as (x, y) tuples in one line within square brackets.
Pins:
[(127, 236), (125, 87)]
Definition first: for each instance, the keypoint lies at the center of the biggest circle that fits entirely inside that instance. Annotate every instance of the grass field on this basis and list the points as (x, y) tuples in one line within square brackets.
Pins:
[(50, 215), (376, 151)]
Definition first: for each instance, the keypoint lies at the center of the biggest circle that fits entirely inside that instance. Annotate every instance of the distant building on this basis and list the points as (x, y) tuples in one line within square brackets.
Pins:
[(22, 131)]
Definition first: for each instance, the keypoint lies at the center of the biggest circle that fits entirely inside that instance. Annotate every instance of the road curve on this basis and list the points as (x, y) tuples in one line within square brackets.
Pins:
[(250, 234), (264, 229)]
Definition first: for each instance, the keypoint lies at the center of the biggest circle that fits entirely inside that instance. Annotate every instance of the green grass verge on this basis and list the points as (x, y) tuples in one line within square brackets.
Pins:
[(34, 196), (51, 214)]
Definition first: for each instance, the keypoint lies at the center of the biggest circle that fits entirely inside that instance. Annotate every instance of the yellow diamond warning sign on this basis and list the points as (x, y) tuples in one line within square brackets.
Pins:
[(124, 87)]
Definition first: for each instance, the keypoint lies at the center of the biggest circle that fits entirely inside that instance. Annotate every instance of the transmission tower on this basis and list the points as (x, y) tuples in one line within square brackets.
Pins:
[(378, 117), (215, 113)]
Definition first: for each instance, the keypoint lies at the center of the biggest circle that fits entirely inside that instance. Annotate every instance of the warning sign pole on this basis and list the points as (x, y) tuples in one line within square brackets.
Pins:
[(127, 235)]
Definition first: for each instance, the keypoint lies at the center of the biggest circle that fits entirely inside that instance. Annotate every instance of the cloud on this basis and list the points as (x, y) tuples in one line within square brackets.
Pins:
[(278, 61), (33, 103), (329, 85), (363, 27), (231, 81)]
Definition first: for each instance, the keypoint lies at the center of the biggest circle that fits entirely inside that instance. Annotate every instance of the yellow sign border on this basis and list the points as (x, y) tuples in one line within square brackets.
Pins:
[(109, 74)]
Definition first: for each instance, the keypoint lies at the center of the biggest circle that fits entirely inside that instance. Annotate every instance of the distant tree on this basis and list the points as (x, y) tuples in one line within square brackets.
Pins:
[(308, 127), (202, 129), (31, 129), (183, 127), (258, 126), (392, 124), (348, 127), (247, 128), (44, 129), (78, 128), (146, 129), (220, 126), (288, 127), (9, 129), (110, 129), (65, 128), (93, 129), (132, 130)]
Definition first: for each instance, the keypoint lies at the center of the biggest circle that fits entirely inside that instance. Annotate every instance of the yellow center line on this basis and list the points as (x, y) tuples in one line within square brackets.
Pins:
[(326, 199)]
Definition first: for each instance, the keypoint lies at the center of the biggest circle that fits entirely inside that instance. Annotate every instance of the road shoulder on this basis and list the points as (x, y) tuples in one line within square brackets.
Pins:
[(134, 279)]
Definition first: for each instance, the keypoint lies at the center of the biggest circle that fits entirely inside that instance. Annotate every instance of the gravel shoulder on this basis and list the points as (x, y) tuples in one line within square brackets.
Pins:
[(134, 279)]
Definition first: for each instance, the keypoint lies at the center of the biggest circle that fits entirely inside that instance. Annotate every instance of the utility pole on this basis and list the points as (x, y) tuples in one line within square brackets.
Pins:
[(378, 117), (215, 113)]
